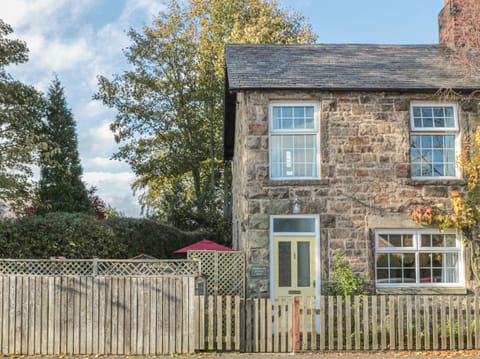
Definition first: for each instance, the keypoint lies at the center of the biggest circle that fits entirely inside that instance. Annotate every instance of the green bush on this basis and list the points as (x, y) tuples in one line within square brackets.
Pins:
[(145, 236), (76, 235), (57, 234), (345, 282)]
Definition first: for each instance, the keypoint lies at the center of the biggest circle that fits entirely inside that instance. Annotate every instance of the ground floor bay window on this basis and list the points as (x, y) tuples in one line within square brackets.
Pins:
[(418, 258)]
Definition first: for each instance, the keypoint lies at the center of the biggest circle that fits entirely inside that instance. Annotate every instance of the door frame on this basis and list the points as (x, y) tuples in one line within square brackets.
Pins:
[(316, 233)]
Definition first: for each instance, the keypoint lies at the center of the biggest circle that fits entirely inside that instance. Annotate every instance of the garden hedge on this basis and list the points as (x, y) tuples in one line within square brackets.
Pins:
[(75, 235)]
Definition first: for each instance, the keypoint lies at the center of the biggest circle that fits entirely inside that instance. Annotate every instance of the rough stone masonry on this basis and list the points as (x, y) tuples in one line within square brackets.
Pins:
[(365, 178)]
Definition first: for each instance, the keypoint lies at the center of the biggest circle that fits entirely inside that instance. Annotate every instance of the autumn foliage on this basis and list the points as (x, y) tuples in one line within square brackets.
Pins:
[(462, 212)]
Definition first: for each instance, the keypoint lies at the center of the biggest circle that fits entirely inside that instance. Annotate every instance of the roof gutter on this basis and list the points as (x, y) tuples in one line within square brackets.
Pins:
[(350, 89)]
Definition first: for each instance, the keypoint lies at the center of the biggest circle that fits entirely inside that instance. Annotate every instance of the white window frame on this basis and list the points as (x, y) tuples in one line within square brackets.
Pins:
[(314, 131), (417, 250), (436, 131)]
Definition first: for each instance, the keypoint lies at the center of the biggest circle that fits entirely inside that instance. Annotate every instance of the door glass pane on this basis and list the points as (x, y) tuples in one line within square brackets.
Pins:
[(284, 264), (292, 225), (303, 264)]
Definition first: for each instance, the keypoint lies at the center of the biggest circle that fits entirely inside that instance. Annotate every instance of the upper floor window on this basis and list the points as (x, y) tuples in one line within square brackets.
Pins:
[(418, 258), (433, 140), (294, 141)]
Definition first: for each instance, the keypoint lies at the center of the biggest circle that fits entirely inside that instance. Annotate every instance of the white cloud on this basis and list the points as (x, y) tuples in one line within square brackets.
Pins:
[(150, 7), (112, 181), (98, 141), (58, 54), (78, 7), (113, 37), (22, 12), (59, 41), (93, 109), (104, 164), (145, 8), (114, 189), (127, 205)]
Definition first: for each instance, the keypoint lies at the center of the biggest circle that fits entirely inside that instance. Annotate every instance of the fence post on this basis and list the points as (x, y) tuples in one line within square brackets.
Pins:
[(95, 267), (243, 324), (296, 323)]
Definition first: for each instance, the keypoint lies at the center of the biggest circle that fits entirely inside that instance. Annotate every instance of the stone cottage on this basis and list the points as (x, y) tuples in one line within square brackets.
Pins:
[(331, 147)]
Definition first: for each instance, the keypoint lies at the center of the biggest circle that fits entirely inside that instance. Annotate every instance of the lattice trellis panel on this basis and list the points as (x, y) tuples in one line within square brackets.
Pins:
[(225, 271), (99, 267)]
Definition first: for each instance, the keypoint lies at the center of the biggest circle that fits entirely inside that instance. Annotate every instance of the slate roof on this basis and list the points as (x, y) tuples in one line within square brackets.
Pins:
[(344, 67)]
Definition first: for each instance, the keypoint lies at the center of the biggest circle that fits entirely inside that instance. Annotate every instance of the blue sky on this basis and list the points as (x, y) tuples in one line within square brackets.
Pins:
[(79, 39), (371, 21)]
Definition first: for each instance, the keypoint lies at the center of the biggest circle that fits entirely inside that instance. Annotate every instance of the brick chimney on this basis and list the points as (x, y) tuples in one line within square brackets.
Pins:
[(454, 21)]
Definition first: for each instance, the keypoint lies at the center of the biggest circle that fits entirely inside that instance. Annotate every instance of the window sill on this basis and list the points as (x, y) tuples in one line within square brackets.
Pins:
[(435, 182), (422, 290), (296, 182)]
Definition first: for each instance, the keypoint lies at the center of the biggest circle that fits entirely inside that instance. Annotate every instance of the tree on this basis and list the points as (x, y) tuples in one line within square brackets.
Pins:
[(61, 188), (170, 105), (21, 126), (101, 210)]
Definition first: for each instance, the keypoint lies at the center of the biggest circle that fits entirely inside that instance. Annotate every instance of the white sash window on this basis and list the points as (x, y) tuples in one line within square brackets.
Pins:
[(433, 141), (294, 141)]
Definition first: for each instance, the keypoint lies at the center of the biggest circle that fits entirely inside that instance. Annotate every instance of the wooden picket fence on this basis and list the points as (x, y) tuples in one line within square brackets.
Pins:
[(361, 323), (151, 307)]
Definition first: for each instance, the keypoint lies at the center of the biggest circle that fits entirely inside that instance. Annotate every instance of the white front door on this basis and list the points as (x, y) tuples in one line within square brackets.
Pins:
[(294, 266), (294, 256)]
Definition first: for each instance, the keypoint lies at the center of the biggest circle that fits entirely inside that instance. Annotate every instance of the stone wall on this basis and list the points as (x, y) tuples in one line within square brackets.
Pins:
[(364, 175), (239, 178)]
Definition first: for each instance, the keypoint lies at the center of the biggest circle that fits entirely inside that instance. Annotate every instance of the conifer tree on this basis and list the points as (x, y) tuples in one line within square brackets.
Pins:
[(61, 188)]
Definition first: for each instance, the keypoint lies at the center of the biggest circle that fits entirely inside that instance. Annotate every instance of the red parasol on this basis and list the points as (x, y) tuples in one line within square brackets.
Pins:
[(204, 245)]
